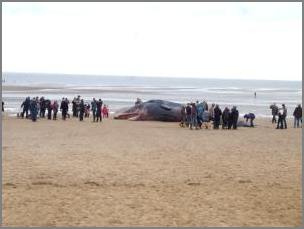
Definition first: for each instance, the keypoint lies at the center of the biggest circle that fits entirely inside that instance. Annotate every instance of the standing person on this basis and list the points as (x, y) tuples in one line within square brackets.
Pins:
[(78, 101), (193, 116), (98, 110), (183, 116), (42, 107), (49, 109), (34, 110), (200, 111), (87, 110), (94, 108), (2, 106), (26, 107), (81, 110), (64, 109), (55, 110), (67, 106), (255, 94), (284, 116), (274, 111), (205, 105), (217, 117), (297, 116), (74, 107), (225, 118), (234, 117), (105, 111), (188, 115), (211, 112)]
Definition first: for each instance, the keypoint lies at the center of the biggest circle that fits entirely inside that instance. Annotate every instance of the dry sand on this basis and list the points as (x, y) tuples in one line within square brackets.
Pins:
[(124, 173)]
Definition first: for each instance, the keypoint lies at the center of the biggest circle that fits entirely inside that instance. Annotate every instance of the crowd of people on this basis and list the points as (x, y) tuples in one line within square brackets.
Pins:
[(281, 113), (37, 107), (198, 115)]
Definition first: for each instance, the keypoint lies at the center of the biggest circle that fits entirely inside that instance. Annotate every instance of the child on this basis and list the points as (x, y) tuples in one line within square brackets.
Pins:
[(105, 112)]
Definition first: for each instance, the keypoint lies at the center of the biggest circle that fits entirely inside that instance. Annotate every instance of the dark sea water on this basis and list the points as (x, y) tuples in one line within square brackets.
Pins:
[(121, 91)]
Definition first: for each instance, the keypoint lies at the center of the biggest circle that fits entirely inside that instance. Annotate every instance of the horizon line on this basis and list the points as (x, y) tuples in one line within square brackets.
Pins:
[(137, 76)]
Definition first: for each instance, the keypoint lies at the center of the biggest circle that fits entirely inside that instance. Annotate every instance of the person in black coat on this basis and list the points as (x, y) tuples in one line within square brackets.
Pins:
[(34, 110), (49, 108), (2, 106), (217, 117), (26, 107), (225, 117), (98, 110), (297, 116), (64, 108), (250, 117), (42, 107), (81, 110), (233, 118)]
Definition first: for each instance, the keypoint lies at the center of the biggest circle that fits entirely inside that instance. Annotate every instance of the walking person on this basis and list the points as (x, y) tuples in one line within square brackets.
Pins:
[(26, 107), (297, 116), (274, 111)]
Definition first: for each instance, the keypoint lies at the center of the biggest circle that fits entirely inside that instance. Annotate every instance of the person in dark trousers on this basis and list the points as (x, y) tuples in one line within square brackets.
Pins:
[(297, 114), (98, 110), (188, 115), (64, 109), (42, 107), (250, 117), (217, 112), (49, 109), (74, 107), (183, 116), (2, 106), (225, 117), (94, 108), (282, 118), (81, 110), (193, 116), (233, 118), (274, 111), (26, 107), (55, 110), (78, 101), (34, 110)]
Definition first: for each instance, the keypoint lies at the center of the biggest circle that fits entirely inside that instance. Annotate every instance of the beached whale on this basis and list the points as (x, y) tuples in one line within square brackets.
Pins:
[(152, 110)]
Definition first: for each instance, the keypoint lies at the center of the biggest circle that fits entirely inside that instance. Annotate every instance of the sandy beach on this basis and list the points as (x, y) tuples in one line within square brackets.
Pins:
[(124, 173)]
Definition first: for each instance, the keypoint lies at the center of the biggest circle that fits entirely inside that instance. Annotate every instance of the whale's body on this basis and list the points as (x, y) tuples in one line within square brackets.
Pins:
[(152, 110)]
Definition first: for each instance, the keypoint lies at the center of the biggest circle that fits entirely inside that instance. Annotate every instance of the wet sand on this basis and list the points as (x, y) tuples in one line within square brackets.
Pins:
[(124, 173)]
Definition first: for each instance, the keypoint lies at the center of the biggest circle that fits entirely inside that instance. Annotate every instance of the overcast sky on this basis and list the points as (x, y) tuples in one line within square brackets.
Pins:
[(208, 40)]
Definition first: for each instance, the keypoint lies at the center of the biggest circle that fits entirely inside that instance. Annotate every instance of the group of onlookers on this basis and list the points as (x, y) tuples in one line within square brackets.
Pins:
[(36, 107), (196, 115), (282, 115)]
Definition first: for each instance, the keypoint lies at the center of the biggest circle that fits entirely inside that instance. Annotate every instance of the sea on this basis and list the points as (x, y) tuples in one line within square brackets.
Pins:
[(122, 91)]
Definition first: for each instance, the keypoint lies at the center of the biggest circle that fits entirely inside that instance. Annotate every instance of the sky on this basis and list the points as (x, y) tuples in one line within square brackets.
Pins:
[(175, 39)]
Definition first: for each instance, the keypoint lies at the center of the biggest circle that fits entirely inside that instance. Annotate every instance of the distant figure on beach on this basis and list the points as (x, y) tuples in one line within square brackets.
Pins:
[(138, 102), (105, 111), (254, 94), (55, 109), (42, 107), (251, 117), (193, 116), (74, 107), (26, 107), (233, 118), (282, 118), (33, 109), (225, 118), (2, 106), (49, 109), (94, 108), (98, 110), (297, 114), (183, 116), (274, 111), (217, 117), (64, 107), (81, 110)]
